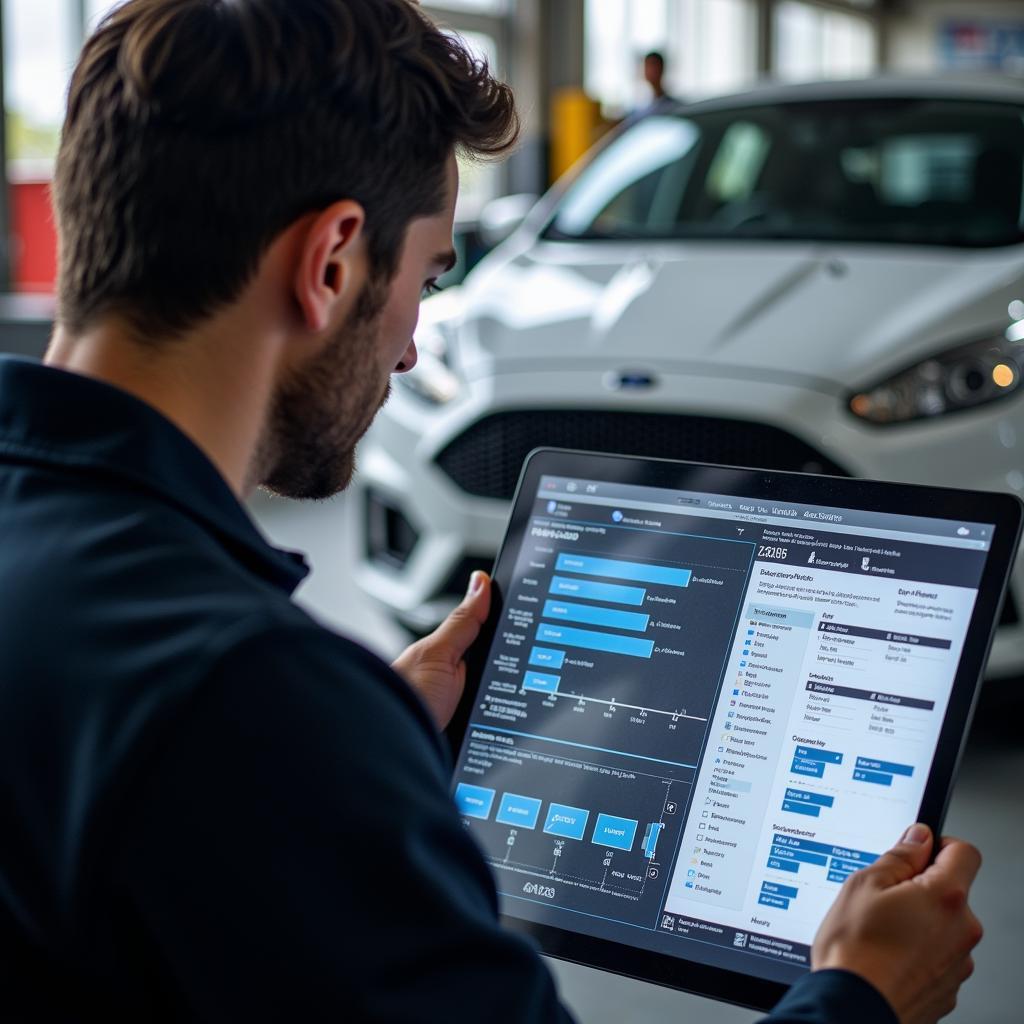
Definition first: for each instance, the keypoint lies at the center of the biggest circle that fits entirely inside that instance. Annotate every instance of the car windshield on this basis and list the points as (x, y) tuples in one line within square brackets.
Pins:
[(921, 172)]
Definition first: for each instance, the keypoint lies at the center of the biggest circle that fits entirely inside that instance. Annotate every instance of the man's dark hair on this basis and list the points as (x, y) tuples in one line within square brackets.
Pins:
[(657, 56), (198, 130)]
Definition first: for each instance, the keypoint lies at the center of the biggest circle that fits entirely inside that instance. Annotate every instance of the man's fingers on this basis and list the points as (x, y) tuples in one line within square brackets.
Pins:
[(956, 865), (965, 856), (909, 857), (958, 860)]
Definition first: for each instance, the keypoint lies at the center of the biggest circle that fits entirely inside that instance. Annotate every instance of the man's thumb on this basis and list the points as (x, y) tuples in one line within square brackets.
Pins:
[(909, 857), (477, 601), (462, 626)]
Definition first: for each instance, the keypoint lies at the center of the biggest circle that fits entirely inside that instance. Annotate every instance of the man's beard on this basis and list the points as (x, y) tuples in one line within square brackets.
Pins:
[(321, 410)]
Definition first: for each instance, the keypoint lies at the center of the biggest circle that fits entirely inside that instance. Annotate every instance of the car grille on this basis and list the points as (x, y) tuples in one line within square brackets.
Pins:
[(486, 459)]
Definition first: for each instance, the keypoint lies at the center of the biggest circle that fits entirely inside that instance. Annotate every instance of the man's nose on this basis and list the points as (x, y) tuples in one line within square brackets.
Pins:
[(408, 360)]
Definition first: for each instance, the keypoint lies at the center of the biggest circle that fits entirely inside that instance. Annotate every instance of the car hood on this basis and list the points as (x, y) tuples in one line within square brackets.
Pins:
[(830, 316)]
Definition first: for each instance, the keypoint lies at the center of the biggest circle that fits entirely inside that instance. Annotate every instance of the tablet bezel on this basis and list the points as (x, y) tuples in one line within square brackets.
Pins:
[(1004, 511)]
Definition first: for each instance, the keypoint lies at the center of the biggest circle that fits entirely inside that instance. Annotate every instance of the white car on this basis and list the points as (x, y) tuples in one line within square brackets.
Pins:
[(826, 278)]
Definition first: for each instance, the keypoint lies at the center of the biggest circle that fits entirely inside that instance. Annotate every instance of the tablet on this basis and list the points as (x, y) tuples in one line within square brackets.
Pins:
[(707, 696)]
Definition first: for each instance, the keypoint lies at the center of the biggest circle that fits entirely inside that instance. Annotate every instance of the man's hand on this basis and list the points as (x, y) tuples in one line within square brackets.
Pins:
[(433, 666), (905, 926)]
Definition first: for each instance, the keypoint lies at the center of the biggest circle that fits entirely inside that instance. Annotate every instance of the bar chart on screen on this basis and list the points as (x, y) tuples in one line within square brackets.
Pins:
[(616, 653), (630, 642)]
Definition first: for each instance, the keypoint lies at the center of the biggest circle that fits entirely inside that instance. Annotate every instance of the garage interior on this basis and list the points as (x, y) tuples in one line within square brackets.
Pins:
[(575, 68)]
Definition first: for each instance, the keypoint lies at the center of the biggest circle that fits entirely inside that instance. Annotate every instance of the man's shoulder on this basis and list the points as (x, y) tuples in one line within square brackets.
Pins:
[(291, 658), (148, 593), (315, 712)]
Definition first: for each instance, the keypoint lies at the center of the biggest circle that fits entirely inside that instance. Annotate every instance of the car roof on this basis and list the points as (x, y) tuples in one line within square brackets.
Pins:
[(991, 87)]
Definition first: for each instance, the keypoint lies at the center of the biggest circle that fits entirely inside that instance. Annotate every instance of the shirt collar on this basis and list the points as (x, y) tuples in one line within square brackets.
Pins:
[(52, 417)]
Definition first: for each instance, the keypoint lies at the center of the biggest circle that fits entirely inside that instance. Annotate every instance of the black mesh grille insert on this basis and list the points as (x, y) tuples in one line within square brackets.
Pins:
[(485, 460)]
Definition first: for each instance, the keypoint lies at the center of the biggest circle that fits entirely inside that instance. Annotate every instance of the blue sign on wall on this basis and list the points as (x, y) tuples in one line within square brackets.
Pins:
[(982, 46)]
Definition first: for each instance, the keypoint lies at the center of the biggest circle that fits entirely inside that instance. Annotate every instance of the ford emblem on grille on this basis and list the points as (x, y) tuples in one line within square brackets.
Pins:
[(630, 380)]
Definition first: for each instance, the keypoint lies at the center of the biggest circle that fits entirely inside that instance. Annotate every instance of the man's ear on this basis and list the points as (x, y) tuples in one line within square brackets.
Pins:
[(332, 262)]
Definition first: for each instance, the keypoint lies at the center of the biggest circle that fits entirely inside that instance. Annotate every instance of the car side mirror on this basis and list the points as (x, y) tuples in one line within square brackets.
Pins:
[(500, 217)]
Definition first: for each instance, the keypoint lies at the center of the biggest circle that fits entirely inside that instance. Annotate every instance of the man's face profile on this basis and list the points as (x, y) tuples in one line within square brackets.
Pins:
[(322, 409)]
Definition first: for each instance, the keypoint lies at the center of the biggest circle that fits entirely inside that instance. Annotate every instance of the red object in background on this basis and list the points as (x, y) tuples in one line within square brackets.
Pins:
[(33, 238)]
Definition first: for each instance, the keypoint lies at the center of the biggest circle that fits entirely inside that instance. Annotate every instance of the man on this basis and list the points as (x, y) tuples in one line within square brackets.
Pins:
[(212, 808), (653, 70), (654, 75)]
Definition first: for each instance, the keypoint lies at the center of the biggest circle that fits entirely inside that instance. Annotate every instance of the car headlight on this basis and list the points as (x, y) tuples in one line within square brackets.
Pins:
[(431, 379), (961, 378)]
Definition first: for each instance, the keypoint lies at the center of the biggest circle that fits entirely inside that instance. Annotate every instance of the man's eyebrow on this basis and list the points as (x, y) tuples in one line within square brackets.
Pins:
[(446, 260)]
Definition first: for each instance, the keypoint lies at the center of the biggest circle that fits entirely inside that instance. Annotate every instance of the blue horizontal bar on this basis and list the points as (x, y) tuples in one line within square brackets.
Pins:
[(790, 891), (784, 853), (595, 615), (591, 641), (768, 900), (878, 778), (802, 796), (617, 833), (837, 876), (589, 590), (849, 866), (473, 801), (815, 769), (845, 853), (545, 657), (796, 843), (568, 822), (521, 811), (641, 572), (884, 766), (814, 754), (810, 810), (541, 683), (783, 865)]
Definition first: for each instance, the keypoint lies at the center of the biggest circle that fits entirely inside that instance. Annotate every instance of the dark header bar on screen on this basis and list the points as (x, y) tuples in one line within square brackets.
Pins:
[(961, 534)]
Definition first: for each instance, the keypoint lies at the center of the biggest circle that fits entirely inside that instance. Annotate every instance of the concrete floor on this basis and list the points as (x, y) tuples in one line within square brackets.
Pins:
[(987, 806)]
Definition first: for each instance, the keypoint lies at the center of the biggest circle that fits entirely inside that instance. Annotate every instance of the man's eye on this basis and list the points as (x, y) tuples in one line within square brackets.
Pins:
[(431, 288)]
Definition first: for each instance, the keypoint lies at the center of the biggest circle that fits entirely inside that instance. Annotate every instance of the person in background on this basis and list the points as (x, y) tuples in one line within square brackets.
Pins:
[(653, 70), (654, 76), (212, 807)]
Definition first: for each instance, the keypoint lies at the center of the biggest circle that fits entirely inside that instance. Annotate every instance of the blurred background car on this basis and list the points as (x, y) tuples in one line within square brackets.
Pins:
[(822, 277)]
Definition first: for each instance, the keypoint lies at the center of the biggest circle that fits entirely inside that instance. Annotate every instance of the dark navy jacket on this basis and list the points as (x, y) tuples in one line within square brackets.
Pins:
[(211, 807)]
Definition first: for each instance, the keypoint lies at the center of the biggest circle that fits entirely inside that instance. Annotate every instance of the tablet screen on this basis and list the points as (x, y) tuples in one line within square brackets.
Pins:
[(701, 712)]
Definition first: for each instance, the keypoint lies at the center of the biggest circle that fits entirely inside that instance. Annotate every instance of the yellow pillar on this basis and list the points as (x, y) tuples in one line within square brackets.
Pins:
[(575, 126)]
